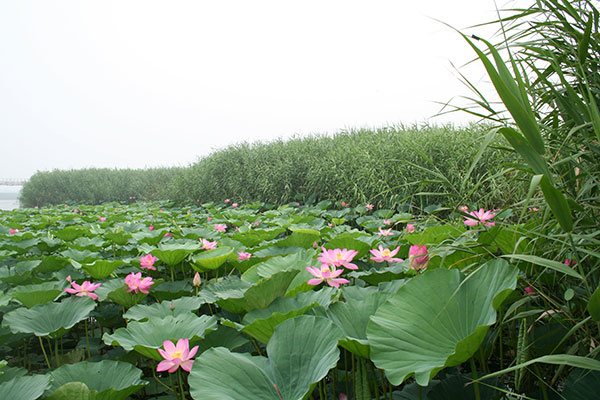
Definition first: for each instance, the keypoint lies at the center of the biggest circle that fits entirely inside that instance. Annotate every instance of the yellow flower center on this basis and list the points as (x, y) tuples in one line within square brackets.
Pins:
[(177, 354), (386, 253), (339, 256)]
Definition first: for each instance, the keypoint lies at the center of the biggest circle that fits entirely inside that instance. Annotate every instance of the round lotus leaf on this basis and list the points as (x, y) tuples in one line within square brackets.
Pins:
[(167, 308), (301, 352), (437, 319), (50, 319), (173, 254), (146, 337), (24, 387), (211, 259), (101, 269), (71, 233), (106, 380), (32, 295)]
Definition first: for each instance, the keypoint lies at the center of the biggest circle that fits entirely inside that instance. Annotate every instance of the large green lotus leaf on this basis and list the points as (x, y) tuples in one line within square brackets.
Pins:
[(437, 319), (262, 293), (8, 373), (72, 391), (435, 234), (298, 260), (230, 287), (358, 241), (24, 387), (101, 269), (119, 238), (48, 245), (71, 233), (83, 256), (352, 316), (111, 380), (121, 296), (151, 238), (300, 237), (211, 259), (107, 287), (51, 319), (260, 323), (22, 246), (223, 336), (172, 290), (146, 337), (32, 295), (270, 250), (375, 274), (173, 254), (93, 244), (301, 352), (175, 307), (51, 263), (256, 236)]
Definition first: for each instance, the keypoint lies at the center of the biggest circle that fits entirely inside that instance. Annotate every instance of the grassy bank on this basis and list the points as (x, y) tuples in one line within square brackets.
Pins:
[(420, 166)]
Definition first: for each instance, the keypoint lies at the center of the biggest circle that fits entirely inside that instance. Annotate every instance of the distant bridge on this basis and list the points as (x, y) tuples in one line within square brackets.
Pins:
[(12, 182)]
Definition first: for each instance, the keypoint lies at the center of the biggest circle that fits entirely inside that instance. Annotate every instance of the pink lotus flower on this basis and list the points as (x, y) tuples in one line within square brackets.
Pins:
[(137, 284), (327, 275), (369, 206), (243, 255), (148, 261), (13, 231), (410, 228), (220, 227), (227, 201), (570, 263), (385, 232), (208, 245), (101, 219), (151, 228), (85, 289), (329, 224), (36, 207), (176, 356), (75, 211), (464, 209), (418, 257), (528, 291), (209, 219), (255, 223), (344, 204), (382, 254), (234, 205), (387, 221), (480, 217), (338, 258), (168, 234)]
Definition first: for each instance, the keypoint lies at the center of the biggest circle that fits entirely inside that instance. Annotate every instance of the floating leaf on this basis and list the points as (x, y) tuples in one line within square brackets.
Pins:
[(101, 269), (211, 259), (31, 295), (24, 387)]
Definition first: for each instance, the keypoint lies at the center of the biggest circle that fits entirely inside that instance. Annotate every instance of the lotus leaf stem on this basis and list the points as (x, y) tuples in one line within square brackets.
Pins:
[(44, 351), (474, 375)]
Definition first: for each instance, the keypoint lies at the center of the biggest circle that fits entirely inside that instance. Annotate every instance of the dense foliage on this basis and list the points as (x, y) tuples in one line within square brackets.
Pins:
[(417, 166)]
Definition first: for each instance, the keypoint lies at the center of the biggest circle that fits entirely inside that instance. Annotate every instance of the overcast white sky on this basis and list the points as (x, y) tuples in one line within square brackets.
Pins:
[(159, 83)]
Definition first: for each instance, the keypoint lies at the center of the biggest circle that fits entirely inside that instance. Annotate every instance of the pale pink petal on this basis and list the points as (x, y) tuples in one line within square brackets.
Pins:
[(314, 281), (169, 347), (187, 365), (192, 352), (164, 365)]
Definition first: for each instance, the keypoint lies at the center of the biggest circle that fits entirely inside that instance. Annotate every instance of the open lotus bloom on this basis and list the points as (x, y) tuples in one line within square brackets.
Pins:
[(382, 254), (208, 245), (338, 258), (220, 227), (85, 289), (480, 217), (137, 284), (148, 261), (176, 356), (418, 257), (325, 274), (385, 232), (242, 255)]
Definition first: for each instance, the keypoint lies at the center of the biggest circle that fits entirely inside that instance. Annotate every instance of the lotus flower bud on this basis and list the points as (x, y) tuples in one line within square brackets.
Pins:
[(418, 257), (197, 281)]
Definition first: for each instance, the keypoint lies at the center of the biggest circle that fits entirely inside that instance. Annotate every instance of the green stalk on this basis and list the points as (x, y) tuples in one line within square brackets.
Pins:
[(476, 384), (346, 371), (44, 351), (180, 384), (87, 340), (56, 355), (159, 381)]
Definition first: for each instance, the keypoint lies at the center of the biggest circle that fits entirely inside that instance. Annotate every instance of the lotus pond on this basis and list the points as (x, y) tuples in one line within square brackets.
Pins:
[(220, 301)]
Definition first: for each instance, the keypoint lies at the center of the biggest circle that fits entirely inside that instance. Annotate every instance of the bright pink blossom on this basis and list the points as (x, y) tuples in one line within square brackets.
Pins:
[(148, 261), (385, 232), (410, 228), (382, 254), (570, 263), (418, 257), (243, 255), (369, 206), (220, 227), (168, 234), (528, 291), (101, 219), (151, 228), (227, 201), (13, 231), (208, 245), (464, 209), (387, 221), (176, 356), (137, 284), (234, 205), (344, 204), (327, 275), (85, 289), (338, 258), (480, 217)]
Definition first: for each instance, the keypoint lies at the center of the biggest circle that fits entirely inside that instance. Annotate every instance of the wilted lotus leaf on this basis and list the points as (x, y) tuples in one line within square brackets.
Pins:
[(101, 269), (437, 319), (31, 295), (146, 337), (301, 352), (105, 380), (211, 259), (24, 387), (50, 319)]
